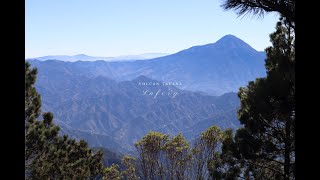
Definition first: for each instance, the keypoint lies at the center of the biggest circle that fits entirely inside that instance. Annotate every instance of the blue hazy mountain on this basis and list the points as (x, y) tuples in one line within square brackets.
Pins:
[(83, 57), (216, 68)]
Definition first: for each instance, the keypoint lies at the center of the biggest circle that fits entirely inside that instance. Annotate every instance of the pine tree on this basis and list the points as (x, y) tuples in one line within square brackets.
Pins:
[(266, 144), (32, 98), (48, 155), (39, 134)]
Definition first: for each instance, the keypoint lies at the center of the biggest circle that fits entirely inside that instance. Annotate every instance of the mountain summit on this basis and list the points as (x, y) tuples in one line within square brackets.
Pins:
[(228, 43), (230, 38), (233, 42)]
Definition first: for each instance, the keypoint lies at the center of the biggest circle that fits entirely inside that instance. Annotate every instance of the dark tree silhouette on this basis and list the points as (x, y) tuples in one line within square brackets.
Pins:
[(286, 8), (266, 144)]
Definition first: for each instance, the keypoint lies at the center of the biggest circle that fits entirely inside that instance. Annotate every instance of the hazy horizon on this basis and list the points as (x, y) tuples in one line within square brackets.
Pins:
[(124, 55), (99, 56)]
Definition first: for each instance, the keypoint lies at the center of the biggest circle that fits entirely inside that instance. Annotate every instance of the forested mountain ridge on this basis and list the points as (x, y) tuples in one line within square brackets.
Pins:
[(120, 112)]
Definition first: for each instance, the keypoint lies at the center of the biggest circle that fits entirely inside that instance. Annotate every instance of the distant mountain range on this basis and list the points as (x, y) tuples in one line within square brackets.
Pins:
[(215, 68), (83, 57), (107, 104)]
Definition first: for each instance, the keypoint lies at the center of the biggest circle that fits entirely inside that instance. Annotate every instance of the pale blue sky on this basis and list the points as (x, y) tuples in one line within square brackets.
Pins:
[(127, 27)]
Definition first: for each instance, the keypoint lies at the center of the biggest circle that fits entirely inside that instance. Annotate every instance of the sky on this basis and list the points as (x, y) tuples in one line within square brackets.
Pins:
[(128, 27)]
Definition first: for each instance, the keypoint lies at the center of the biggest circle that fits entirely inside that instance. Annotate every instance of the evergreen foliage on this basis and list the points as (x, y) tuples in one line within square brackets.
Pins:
[(48, 155), (266, 144), (286, 8)]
